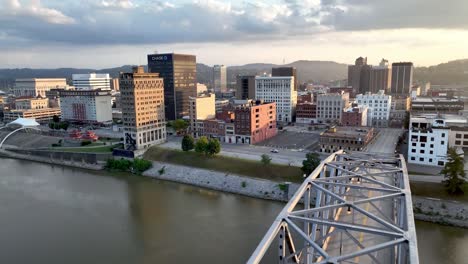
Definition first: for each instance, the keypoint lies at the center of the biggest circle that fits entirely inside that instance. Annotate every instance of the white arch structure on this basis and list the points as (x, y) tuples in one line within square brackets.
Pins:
[(25, 123)]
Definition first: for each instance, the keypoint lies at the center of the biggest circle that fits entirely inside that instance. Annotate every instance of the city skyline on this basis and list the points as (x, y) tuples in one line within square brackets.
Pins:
[(109, 33)]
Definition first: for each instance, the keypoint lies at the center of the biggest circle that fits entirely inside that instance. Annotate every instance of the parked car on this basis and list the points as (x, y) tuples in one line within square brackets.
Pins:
[(274, 151)]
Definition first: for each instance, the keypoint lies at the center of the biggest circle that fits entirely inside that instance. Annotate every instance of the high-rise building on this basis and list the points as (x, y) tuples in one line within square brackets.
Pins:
[(142, 97), (281, 91), (286, 71), (179, 73), (88, 106), (92, 81), (245, 87), (380, 77), (115, 84), (354, 73), (365, 79), (219, 79), (37, 86), (402, 78)]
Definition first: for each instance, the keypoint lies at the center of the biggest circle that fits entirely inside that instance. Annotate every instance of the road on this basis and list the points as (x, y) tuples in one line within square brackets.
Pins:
[(250, 152), (385, 142)]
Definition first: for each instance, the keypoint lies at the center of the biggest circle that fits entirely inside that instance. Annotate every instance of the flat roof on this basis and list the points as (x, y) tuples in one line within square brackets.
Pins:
[(350, 132)]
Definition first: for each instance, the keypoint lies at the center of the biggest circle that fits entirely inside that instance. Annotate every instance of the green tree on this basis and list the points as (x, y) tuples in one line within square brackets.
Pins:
[(201, 145), (310, 163), (454, 172), (188, 143), (266, 160), (56, 118), (213, 147), (180, 125)]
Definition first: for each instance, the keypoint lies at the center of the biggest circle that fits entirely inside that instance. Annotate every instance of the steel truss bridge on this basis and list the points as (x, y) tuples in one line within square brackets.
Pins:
[(355, 207)]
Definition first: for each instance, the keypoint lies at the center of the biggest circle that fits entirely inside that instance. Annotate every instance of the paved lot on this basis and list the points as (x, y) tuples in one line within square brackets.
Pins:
[(293, 140)]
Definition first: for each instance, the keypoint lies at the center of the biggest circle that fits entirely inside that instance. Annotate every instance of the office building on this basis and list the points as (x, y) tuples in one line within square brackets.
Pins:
[(31, 103), (306, 113), (430, 136), (92, 81), (219, 79), (345, 138), (115, 84), (202, 107), (179, 73), (305, 98), (399, 111), (380, 77), (359, 75), (41, 115), (402, 78), (354, 116), (86, 106), (143, 118), (284, 72), (245, 87), (330, 107), (281, 91), (378, 108), (255, 122), (34, 87)]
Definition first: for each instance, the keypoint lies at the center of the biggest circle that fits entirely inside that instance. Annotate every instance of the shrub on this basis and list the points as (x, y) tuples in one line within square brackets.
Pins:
[(188, 143), (244, 184), (85, 143), (213, 147), (282, 187), (266, 160), (140, 165), (201, 145)]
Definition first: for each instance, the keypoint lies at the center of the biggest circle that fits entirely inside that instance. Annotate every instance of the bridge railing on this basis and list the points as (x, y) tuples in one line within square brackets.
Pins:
[(343, 186)]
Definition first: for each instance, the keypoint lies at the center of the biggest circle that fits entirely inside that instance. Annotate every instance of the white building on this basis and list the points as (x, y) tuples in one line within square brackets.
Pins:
[(379, 107), (201, 88), (330, 107), (219, 80), (92, 81), (34, 87), (86, 106), (429, 137), (281, 91)]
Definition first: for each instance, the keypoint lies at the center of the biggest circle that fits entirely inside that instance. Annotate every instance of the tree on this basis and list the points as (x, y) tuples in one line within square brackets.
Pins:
[(266, 160), (188, 143), (213, 147), (56, 118), (454, 172), (201, 145), (179, 125), (310, 163)]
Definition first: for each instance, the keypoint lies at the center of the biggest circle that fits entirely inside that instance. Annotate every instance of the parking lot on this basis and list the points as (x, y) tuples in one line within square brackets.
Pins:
[(293, 140)]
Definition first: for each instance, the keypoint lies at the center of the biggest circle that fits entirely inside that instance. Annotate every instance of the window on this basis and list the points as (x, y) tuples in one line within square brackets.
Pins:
[(413, 150), (440, 163), (465, 136), (413, 144), (457, 142), (432, 145), (432, 139), (413, 158), (443, 134), (421, 159), (421, 151), (431, 152), (442, 142), (458, 135), (430, 160)]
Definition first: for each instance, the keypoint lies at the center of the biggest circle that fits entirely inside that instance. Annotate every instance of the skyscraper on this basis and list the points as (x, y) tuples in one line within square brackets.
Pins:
[(380, 77), (359, 75), (245, 87), (219, 79), (284, 72), (180, 81), (402, 78), (92, 81), (142, 96)]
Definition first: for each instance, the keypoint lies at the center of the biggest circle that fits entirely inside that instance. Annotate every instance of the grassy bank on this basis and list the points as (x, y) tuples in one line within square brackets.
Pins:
[(226, 164), (435, 190), (103, 149)]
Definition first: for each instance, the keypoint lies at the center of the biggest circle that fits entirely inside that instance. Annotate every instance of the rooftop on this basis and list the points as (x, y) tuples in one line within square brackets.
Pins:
[(448, 118), (346, 132)]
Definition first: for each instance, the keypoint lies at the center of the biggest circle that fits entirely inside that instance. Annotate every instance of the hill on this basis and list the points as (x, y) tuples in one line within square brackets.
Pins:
[(452, 72)]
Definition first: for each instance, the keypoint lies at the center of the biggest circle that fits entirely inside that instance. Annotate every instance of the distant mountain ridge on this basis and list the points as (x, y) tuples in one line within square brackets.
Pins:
[(452, 72)]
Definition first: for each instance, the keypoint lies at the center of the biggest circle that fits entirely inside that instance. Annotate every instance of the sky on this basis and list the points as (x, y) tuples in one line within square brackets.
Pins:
[(108, 33)]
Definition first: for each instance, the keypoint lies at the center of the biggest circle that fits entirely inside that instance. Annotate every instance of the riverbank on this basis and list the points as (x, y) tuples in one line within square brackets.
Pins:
[(439, 211), (66, 163), (252, 187)]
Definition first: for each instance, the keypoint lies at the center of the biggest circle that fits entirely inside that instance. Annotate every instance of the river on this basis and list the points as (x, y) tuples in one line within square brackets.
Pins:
[(54, 215)]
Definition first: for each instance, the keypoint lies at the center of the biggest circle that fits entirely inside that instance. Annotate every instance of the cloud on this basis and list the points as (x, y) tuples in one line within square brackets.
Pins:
[(113, 22), (34, 10)]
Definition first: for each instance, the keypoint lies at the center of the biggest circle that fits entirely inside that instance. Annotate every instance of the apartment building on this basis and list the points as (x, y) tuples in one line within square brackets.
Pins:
[(281, 91), (355, 116), (255, 122), (330, 107), (378, 107), (143, 117), (306, 113)]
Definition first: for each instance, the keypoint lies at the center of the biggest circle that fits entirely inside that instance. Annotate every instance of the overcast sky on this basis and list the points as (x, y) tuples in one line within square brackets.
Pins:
[(109, 33)]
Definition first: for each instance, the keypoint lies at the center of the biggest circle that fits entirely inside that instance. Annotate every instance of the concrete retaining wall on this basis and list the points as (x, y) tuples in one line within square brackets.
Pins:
[(89, 158), (440, 211), (214, 180)]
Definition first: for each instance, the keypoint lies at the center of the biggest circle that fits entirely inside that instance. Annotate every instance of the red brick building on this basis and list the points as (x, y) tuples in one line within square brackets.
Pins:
[(306, 113), (305, 98), (354, 116), (255, 122)]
